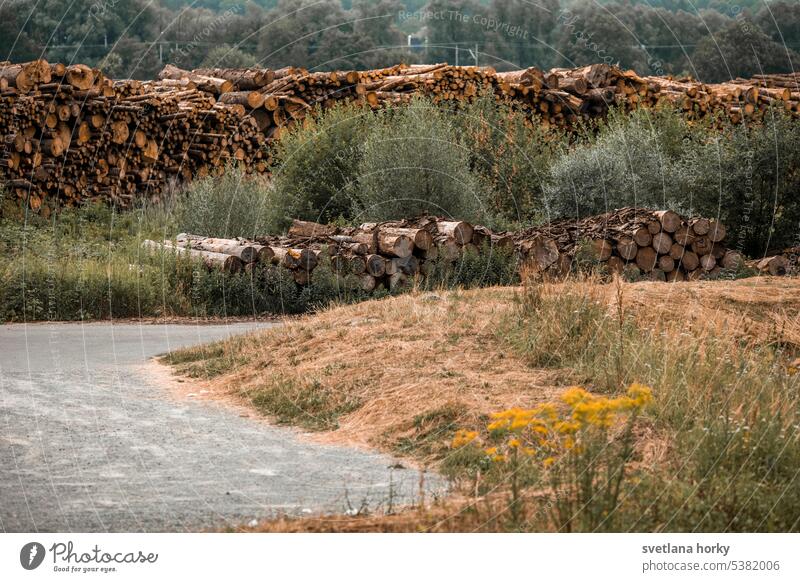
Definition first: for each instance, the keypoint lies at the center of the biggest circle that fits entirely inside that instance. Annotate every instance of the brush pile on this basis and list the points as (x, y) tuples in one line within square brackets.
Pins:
[(70, 134), (786, 262), (638, 243)]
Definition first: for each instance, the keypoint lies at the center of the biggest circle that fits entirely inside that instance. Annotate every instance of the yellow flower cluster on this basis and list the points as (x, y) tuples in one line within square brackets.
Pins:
[(554, 428), (463, 437)]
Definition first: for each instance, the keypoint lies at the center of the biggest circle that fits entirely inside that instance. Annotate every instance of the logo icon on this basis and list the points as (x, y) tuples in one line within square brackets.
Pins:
[(31, 555)]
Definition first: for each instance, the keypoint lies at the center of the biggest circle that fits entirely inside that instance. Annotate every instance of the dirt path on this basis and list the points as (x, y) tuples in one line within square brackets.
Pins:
[(89, 441)]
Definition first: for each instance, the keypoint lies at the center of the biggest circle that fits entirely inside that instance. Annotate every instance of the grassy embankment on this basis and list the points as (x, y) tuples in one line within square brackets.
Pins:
[(710, 444)]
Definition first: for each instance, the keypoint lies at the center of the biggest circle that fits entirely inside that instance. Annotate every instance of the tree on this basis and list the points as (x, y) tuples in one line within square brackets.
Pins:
[(739, 50), (412, 164), (226, 56)]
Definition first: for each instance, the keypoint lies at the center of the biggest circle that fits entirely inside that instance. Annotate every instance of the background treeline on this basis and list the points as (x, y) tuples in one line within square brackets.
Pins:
[(713, 40)]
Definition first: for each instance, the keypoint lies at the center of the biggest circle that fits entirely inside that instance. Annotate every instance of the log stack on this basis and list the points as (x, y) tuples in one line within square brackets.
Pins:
[(635, 242), (656, 244), (69, 134)]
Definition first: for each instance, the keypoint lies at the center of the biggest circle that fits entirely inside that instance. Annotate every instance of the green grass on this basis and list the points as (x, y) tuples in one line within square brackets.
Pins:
[(311, 405)]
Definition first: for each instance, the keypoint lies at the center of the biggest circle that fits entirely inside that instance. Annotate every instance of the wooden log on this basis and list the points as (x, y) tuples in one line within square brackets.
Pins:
[(717, 231), (775, 266), (666, 263), (306, 229), (375, 265), (646, 259), (670, 221), (732, 260), (396, 245), (662, 243), (227, 263), (627, 248), (460, 231), (247, 253), (700, 226), (601, 249), (690, 261), (708, 262)]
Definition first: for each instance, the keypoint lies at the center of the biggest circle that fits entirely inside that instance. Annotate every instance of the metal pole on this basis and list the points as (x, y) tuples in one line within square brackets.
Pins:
[(476, 54), (456, 55)]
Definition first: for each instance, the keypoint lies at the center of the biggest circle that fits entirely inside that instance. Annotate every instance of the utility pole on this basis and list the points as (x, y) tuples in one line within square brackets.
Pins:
[(456, 55)]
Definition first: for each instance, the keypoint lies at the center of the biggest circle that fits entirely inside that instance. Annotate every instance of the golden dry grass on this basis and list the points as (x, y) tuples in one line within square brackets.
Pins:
[(404, 356)]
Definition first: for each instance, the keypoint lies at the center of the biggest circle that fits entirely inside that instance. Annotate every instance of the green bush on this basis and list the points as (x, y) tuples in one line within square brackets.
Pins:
[(509, 156), (632, 161), (749, 177), (414, 163), (316, 164), (230, 205)]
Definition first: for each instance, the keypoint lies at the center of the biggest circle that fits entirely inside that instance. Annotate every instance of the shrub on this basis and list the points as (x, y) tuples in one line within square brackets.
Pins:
[(490, 266), (230, 205), (414, 163), (749, 177), (631, 161), (316, 164), (509, 156)]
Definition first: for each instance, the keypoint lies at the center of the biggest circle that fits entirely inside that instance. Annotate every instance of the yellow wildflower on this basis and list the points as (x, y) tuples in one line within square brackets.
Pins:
[(640, 394), (514, 443), (549, 461), (463, 437)]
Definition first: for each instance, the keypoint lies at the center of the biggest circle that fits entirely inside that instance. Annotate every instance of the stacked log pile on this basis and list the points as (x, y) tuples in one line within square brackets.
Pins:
[(386, 254), (659, 245), (70, 134), (635, 242)]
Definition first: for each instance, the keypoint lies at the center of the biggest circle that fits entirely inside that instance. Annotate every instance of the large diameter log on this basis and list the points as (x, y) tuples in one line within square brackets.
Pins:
[(396, 245), (422, 238), (375, 265), (708, 262), (540, 252), (646, 259), (732, 260), (460, 231), (642, 237), (670, 221), (367, 282), (776, 266), (265, 253), (288, 258), (666, 263), (627, 248), (717, 231), (684, 236), (662, 243), (675, 276), (228, 263), (690, 261), (601, 250), (700, 226), (702, 245)]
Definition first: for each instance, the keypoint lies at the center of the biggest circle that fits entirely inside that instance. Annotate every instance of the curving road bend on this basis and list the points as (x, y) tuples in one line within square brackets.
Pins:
[(90, 443)]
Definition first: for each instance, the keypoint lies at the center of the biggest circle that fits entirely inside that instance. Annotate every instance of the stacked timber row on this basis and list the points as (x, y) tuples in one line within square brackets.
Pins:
[(657, 245), (660, 245), (70, 134), (387, 254)]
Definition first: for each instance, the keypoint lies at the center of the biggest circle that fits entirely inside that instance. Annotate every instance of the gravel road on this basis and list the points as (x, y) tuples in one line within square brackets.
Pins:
[(89, 443)]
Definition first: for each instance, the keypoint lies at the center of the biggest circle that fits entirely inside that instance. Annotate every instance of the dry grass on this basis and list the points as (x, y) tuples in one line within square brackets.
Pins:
[(421, 365), (421, 353)]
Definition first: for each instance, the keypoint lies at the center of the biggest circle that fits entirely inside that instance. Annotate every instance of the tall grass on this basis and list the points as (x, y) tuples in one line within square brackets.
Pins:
[(724, 416)]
